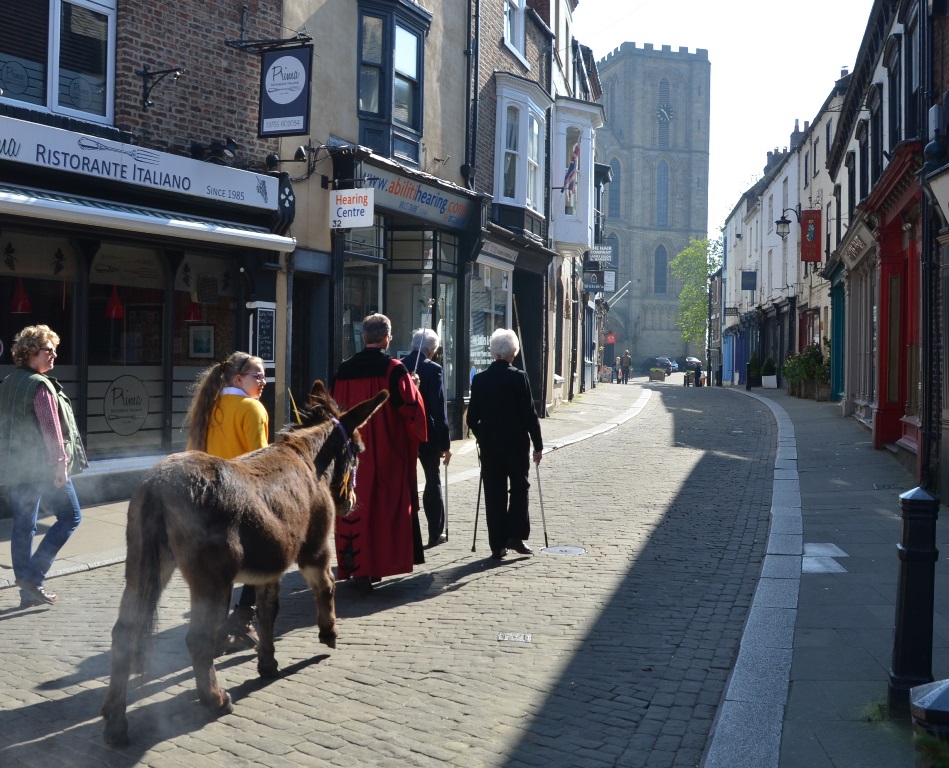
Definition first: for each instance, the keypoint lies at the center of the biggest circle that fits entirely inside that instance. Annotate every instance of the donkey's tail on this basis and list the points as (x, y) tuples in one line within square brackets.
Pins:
[(147, 568)]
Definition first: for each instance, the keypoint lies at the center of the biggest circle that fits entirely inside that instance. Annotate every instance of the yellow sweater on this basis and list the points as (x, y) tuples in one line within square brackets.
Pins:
[(237, 426)]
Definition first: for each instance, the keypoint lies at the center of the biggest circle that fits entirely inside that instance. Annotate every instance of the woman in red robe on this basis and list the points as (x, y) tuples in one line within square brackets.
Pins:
[(381, 536)]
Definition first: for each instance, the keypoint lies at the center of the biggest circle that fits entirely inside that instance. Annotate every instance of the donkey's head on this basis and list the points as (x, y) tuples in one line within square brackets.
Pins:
[(346, 425)]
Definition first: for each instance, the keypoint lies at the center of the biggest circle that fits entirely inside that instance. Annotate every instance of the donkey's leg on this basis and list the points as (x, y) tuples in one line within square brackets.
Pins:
[(114, 706), (208, 609), (319, 578), (268, 606)]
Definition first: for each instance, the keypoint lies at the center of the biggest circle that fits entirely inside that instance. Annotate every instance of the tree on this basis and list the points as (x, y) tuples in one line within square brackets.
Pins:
[(693, 266)]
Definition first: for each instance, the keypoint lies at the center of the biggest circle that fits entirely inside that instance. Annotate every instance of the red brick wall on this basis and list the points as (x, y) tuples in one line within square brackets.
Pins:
[(497, 57), (218, 94)]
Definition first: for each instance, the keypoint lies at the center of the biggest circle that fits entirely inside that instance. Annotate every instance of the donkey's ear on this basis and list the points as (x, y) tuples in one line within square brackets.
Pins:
[(319, 392), (358, 415)]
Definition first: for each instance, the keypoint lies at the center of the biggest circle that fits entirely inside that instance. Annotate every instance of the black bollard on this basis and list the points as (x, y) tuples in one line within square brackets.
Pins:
[(913, 630), (748, 376)]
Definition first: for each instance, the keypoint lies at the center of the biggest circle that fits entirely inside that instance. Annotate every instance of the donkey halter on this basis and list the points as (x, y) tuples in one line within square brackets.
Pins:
[(349, 479)]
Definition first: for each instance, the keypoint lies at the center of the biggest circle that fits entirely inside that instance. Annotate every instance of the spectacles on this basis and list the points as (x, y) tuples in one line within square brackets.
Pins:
[(257, 376), (51, 351)]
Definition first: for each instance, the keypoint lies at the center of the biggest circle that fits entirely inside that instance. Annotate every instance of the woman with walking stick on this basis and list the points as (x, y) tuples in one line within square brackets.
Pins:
[(502, 418)]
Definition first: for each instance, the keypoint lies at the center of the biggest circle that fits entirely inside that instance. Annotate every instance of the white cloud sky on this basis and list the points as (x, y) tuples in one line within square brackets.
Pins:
[(771, 63)]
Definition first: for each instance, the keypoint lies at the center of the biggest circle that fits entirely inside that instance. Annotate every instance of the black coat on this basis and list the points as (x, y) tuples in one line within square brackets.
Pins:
[(501, 410), (432, 386)]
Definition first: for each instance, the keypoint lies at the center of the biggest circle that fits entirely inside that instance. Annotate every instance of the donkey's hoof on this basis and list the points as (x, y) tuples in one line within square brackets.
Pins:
[(226, 706), (268, 669), (329, 638), (116, 732)]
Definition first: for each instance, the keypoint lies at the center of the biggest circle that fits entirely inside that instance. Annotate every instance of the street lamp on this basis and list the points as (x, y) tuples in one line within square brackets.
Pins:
[(783, 224)]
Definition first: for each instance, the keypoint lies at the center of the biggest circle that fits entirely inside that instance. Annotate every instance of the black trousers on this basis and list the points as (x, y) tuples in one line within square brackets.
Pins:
[(504, 472), (433, 500)]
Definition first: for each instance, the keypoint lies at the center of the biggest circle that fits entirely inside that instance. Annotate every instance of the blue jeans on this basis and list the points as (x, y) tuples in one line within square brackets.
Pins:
[(25, 499)]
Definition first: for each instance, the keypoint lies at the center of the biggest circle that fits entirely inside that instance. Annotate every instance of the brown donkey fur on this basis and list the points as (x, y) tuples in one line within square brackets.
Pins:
[(244, 520)]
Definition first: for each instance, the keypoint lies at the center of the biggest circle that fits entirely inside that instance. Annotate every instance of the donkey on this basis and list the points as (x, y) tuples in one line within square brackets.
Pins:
[(247, 519)]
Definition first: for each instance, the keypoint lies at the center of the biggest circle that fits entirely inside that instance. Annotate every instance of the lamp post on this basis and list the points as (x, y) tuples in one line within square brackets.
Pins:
[(911, 664), (783, 225)]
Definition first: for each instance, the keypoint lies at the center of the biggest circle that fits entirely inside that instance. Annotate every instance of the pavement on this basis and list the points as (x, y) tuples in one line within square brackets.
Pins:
[(713, 584)]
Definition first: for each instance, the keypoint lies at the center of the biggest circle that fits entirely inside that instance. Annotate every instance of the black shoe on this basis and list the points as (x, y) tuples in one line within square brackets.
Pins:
[(434, 541), (520, 547), (33, 594), (498, 554)]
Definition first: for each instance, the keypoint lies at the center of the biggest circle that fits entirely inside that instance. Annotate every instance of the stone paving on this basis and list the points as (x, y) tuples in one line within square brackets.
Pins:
[(615, 657)]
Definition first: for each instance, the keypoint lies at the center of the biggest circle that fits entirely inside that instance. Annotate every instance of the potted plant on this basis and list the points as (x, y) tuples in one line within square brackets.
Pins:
[(793, 373), (769, 374), (754, 371), (657, 374), (811, 362)]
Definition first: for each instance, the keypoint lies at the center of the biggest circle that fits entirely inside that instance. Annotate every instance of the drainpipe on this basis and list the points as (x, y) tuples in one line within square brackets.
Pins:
[(473, 98)]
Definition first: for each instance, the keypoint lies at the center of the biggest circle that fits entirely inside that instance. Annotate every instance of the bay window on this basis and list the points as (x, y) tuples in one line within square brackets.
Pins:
[(390, 83)]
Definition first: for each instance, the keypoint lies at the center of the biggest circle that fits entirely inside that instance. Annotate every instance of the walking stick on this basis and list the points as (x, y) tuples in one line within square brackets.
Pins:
[(446, 502), (541, 494), (474, 538)]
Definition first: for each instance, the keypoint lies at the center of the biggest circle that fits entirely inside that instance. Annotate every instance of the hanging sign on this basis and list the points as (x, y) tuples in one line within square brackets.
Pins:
[(749, 280), (810, 235), (352, 208), (285, 91), (593, 281)]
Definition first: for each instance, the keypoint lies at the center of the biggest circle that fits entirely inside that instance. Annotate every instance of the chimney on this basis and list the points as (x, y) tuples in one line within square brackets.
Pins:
[(797, 135), (844, 71)]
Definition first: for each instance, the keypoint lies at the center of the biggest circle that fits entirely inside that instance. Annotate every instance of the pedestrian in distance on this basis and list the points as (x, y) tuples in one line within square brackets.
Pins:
[(626, 363), (381, 536), (502, 417), (437, 448), (226, 419), (40, 449), (618, 371)]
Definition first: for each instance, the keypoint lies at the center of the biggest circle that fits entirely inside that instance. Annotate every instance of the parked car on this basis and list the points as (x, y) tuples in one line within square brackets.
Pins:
[(692, 364), (658, 362), (673, 363)]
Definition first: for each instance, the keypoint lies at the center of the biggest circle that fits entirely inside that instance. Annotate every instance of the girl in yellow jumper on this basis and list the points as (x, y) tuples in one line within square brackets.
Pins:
[(227, 419)]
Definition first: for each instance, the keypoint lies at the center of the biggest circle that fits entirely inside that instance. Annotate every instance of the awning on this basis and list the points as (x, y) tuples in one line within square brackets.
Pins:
[(71, 209)]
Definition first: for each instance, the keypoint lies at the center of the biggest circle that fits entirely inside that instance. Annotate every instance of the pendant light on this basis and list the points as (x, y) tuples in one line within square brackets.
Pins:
[(20, 304), (114, 309)]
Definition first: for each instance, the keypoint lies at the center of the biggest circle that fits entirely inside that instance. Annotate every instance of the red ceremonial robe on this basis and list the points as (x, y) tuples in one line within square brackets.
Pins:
[(381, 536)]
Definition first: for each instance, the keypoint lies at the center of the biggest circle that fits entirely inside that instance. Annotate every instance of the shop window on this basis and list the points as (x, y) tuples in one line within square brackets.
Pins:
[(421, 292), (59, 56), (391, 78), (489, 308), (363, 261)]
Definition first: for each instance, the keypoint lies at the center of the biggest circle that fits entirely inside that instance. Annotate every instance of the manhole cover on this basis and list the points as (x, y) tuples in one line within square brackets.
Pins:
[(563, 550)]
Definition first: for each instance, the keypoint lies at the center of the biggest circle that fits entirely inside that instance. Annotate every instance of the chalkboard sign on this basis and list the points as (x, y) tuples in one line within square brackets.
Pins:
[(266, 322)]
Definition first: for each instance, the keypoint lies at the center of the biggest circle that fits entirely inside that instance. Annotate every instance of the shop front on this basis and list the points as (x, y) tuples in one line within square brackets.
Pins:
[(410, 264), (149, 266)]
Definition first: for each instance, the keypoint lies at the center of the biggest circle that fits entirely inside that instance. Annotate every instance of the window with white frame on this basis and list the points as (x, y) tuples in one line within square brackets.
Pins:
[(59, 56), (521, 152), (514, 24)]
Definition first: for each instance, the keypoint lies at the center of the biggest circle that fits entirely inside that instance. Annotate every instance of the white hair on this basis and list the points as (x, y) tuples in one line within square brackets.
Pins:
[(504, 343), (426, 341)]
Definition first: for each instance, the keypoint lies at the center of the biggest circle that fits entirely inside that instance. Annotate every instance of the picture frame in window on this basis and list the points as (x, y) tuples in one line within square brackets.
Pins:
[(201, 341)]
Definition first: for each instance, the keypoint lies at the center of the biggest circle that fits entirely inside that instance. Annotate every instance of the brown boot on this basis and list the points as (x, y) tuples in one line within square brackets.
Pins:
[(239, 632)]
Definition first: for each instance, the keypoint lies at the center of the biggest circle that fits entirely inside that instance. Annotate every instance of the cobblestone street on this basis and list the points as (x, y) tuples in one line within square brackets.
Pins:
[(630, 643)]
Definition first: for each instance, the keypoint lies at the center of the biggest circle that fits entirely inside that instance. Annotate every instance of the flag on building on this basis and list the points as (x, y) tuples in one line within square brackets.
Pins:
[(570, 177)]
